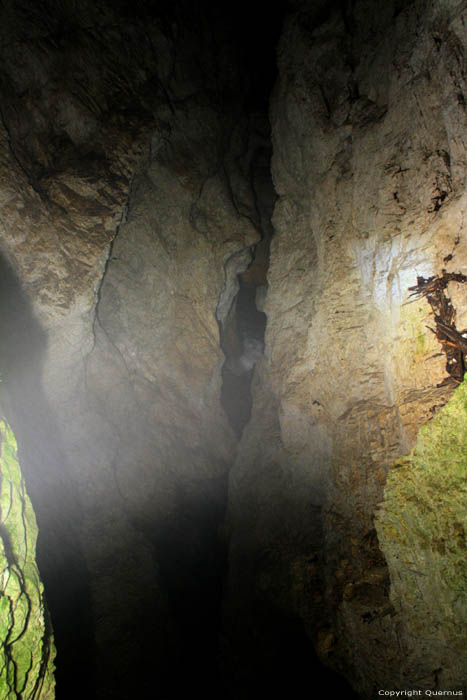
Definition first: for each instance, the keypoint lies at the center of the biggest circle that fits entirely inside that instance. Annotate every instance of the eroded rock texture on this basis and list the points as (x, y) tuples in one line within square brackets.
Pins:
[(127, 143), (369, 137)]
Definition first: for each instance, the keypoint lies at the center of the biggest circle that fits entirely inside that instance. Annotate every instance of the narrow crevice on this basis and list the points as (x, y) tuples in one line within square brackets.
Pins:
[(189, 544), (243, 326), (242, 341)]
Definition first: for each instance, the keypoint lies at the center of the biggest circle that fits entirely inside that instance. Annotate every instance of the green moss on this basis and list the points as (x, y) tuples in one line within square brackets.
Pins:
[(421, 343), (26, 644), (422, 526)]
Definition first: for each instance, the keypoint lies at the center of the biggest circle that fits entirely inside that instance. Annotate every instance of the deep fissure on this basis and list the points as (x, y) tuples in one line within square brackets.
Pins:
[(243, 344), (241, 317)]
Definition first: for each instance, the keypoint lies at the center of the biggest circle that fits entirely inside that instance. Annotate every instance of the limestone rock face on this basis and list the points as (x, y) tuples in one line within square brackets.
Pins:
[(124, 165), (369, 136), (153, 376)]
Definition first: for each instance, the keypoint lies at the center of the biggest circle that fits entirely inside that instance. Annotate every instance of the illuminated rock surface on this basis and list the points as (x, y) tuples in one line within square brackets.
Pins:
[(369, 156), (26, 644)]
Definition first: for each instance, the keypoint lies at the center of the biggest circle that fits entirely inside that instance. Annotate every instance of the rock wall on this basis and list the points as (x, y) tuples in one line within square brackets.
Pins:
[(153, 382), (368, 126), (126, 147)]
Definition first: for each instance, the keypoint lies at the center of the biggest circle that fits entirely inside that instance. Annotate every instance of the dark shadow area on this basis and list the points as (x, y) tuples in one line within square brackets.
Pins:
[(191, 555), (59, 558), (278, 660), (252, 29)]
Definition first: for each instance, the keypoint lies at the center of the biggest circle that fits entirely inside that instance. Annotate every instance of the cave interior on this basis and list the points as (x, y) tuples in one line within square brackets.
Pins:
[(131, 395)]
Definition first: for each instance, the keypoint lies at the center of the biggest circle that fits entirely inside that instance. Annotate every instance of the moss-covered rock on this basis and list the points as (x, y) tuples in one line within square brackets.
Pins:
[(422, 527), (26, 643)]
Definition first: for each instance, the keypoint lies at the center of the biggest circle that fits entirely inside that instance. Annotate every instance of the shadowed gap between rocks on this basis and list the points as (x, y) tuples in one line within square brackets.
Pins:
[(243, 345), (191, 555), (243, 328), (278, 660), (190, 546)]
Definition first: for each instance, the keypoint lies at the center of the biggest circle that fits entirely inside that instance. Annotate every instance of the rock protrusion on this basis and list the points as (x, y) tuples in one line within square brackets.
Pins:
[(27, 649)]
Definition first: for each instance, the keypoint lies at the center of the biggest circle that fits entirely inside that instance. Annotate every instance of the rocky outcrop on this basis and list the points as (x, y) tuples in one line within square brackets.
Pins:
[(26, 643), (368, 126)]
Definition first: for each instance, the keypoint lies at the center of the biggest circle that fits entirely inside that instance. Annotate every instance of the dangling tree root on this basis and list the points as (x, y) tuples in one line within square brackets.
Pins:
[(453, 341)]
